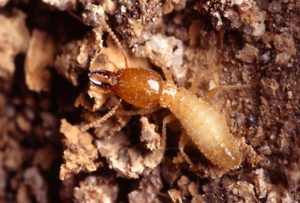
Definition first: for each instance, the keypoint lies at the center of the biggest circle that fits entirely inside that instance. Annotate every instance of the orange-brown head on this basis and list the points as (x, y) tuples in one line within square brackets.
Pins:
[(137, 86)]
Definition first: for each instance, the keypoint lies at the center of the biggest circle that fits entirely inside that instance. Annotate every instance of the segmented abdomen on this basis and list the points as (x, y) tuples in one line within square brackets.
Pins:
[(207, 129)]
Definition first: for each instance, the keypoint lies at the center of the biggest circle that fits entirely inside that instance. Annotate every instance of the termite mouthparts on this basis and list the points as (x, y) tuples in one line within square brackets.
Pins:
[(105, 76)]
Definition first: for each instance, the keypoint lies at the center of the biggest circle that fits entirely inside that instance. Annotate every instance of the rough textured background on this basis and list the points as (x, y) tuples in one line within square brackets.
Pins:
[(47, 48)]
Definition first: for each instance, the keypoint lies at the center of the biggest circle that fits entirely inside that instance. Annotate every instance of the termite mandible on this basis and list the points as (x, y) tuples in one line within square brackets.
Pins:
[(145, 88)]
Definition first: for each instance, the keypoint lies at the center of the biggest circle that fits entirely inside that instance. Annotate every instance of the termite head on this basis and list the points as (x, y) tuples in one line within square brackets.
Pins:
[(137, 86)]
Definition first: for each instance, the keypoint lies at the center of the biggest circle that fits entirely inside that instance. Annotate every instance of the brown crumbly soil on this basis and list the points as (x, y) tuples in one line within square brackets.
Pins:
[(241, 56)]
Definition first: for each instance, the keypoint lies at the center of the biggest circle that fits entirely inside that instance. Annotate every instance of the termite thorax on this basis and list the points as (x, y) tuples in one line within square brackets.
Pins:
[(169, 91)]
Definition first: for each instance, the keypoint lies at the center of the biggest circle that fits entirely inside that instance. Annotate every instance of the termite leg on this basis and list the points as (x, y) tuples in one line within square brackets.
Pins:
[(202, 76), (168, 119), (160, 63), (181, 145), (98, 122), (141, 112), (217, 90), (209, 61)]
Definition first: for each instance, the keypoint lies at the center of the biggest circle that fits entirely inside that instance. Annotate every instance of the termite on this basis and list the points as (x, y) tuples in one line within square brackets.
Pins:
[(145, 88)]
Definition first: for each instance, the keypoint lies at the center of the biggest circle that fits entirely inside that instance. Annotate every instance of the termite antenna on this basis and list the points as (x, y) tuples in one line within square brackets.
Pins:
[(118, 43), (98, 122), (109, 30)]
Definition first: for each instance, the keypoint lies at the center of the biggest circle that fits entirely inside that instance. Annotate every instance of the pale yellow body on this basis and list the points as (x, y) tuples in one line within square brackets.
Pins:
[(204, 125)]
